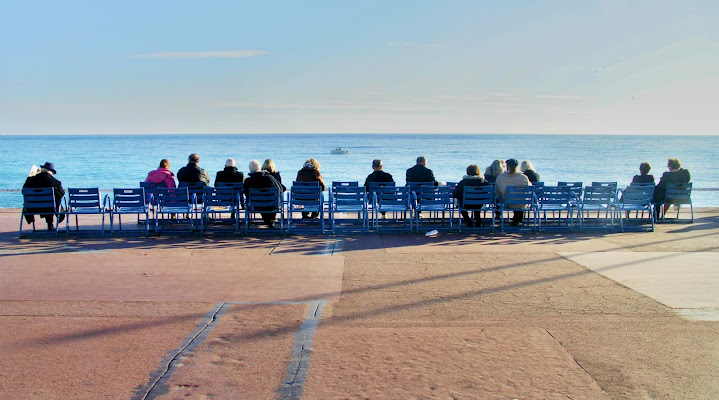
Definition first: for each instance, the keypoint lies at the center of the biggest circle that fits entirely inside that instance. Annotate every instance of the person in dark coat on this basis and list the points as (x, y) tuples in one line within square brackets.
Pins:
[(473, 178), (270, 167), (420, 172), (44, 179), (377, 175), (230, 174), (676, 174), (261, 179), (644, 176), (527, 169), (310, 172), (192, 173)]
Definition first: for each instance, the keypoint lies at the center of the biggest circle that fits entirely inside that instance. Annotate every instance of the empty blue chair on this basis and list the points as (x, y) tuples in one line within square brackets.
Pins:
[(556, 199), (85, 201), (129, 201), (349, 199), (601, 199), (434, 200), (305, 199), (636, 198)]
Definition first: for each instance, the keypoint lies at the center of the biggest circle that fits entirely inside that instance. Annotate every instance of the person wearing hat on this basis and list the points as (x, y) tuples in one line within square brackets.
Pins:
[(230, 174), (512, 177), (377, 175), (43, 179), (192, 173)]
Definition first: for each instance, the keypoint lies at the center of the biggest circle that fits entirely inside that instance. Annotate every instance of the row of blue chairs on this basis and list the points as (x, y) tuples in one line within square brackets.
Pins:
[(418, 207)]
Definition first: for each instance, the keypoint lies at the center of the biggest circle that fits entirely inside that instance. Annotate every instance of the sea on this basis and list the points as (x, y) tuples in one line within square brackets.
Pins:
[(117, 161)]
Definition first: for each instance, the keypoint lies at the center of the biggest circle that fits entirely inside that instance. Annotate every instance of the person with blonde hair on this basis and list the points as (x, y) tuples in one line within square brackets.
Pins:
[(257, 178), (270, 167), (676, 174), (310, 172), (527, 168), (494, 170)]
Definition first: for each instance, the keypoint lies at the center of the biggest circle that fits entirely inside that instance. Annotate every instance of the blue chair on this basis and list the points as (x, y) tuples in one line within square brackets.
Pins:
[(395, 200), (305, 199), (129, 201), (609, 184), (305, 183), (433, 200), (264, 200), (175, 201), (196, 190), (85, 201), (344, 184), (477, 199), (217, 201), (39, 201), (519, 199), (636, 198), (348, 199), (678, 194), (556, 199), (237, 188), (601, 199)]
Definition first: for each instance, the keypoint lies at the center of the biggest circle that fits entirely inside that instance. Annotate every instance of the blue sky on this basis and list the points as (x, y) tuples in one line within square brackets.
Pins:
[(566, 67)]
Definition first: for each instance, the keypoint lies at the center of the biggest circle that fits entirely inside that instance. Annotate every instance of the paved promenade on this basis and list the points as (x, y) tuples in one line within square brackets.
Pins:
[(505, 316)]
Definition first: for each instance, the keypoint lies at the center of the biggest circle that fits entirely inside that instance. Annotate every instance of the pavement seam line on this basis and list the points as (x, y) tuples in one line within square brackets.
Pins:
[(575, 361), (190, 342), (298, 368)]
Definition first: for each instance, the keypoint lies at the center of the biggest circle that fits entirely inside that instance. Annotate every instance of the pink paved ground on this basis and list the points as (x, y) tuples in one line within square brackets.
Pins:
[(458, 316)]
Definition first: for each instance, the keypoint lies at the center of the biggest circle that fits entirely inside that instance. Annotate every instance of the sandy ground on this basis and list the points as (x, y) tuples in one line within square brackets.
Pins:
[(454, 317)]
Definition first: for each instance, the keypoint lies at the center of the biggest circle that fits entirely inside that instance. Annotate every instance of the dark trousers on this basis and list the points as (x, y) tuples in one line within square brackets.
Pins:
[(468, 220), (269, 218), (518, 217)]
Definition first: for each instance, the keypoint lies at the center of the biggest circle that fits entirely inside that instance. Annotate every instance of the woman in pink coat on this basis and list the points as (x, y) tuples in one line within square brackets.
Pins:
[(162, 175)]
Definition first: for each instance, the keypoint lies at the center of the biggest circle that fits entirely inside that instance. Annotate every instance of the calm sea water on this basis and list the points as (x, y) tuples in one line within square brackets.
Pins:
[(123, 161)]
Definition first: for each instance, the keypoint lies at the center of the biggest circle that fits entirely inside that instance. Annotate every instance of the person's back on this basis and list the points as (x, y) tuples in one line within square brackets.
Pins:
[(261, 179), (310, 172), (230, 174), (494, 170), (676, 174), (162, 176), (192, 173), (378, 175), (420, 173), (527, 168), (512, 177), (45, 179)]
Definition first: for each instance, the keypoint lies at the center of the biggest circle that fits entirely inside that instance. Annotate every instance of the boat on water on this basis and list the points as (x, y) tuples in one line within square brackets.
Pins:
[(339, 150)]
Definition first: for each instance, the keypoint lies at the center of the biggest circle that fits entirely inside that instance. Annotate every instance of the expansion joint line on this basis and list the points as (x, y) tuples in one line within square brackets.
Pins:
[(293, 384), (156, 385)]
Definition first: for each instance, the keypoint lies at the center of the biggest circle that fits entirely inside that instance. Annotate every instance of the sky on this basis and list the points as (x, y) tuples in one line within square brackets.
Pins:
[(396, 66)]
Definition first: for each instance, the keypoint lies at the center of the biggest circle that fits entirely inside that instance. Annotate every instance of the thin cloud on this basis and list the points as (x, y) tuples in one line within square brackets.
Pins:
[(558, 97), (205, 54)]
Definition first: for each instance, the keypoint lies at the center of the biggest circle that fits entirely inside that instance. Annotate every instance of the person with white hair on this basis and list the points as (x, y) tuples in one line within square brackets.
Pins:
[(257, 178), (527, 169), (230, 174), (45, 179)]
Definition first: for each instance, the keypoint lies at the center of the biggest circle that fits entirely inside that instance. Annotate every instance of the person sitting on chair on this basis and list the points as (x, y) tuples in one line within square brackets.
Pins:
[(270, 167), (192, 173), (473, 178), (420, 172), (676, 174), (494, 170), (44, 179), (644, 176), (162, 175), (377, 174), (310, 172), (230, 174), (261, 179), (515, 178), (527, 168)]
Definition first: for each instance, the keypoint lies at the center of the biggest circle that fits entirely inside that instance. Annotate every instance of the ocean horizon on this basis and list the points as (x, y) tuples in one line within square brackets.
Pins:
[(113, 161)]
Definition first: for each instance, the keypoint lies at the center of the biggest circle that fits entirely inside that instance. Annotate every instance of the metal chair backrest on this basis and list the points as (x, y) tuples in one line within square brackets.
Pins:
[(84, 198), (610, 184), (393, 196), (637, 195), (196, 188), (237, 188), (433, 195), (519, 196), (266, 199), (151, 190), (310, 197), (556, 195), (336, 184), (173, 198), (576, 187), (477, 196), (598, 195), (679, 193), (305, 183), (644, 184), (219, 197), (128, 198), (349, 197), (38, 198), (374, 186)]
